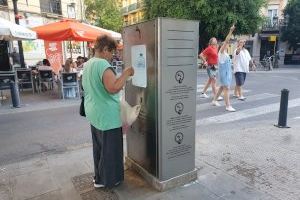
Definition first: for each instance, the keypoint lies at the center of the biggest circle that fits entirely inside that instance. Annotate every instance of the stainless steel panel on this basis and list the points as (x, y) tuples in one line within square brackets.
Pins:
[(142, 138), (178, 96)]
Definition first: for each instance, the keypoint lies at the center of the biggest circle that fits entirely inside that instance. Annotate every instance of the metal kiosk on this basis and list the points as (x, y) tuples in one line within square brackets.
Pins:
[(161, 143)]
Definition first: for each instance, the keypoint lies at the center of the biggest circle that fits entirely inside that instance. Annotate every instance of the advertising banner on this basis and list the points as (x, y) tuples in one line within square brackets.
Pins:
[(53, 50)]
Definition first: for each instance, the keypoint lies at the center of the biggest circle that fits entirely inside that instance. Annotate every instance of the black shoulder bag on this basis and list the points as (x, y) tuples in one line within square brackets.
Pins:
[(81, 108)]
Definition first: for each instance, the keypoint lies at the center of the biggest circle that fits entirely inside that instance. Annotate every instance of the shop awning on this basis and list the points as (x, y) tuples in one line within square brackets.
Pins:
[(12, 31), (267, 35)]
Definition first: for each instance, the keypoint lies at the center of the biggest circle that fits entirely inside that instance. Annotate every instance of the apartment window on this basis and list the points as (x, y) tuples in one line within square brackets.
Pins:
[(51, 6), (3, 2), (125, 3), (71, 11), (273, 15)]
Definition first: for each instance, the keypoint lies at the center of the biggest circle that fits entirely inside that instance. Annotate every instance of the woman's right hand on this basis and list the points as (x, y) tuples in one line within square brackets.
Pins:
[(129, 71)]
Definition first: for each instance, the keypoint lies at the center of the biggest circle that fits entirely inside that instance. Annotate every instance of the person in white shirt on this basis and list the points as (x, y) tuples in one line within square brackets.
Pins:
[(241, 61)]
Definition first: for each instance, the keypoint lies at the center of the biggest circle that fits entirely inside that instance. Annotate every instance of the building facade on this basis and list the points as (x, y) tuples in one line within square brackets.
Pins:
[(33, 13), (267, 41), (269, 38), (132, 11)]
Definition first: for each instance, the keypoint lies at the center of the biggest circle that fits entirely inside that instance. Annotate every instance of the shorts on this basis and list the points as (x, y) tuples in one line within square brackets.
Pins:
[(240, 78), (212, 73)]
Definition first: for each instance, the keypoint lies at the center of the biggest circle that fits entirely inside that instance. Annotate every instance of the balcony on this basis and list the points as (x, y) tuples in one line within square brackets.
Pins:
[(3, 3), (132, 7), (124, 10), (272, 25), (51, 6)]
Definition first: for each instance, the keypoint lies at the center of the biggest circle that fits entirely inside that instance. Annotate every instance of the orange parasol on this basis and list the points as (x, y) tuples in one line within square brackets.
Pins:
[(68, 29)]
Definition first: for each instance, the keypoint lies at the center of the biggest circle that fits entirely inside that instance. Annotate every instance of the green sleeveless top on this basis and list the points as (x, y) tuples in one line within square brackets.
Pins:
[(102, 109)]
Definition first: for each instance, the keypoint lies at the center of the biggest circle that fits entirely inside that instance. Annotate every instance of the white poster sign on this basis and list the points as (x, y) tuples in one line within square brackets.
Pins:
[(138, 60), (34, 50)]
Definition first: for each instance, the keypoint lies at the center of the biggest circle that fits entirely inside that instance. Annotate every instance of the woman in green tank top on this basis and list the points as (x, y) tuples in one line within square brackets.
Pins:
[(102, 109)]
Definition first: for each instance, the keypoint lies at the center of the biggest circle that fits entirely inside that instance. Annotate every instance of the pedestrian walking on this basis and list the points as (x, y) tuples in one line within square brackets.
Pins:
[(225, 73), (241, 62), (210, 60), (102, 109)]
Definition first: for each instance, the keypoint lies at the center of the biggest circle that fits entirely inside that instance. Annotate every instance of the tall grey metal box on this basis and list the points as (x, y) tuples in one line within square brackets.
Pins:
[(162, 140)]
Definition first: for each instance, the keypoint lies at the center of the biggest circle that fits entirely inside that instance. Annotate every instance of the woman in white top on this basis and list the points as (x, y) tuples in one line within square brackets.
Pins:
[(225, 73)]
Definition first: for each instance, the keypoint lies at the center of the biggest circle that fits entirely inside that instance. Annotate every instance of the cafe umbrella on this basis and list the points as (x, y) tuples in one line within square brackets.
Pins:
[(69, 30)]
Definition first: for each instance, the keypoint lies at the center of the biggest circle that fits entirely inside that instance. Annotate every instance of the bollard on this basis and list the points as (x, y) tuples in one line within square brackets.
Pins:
[(282, 119), (15, 97)]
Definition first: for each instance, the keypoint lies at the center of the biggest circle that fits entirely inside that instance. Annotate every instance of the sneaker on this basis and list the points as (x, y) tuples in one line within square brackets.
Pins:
[(235, 96), (242, 98), (204, 95), (96, 185), (215, 103), (220, 98), (230, 109)]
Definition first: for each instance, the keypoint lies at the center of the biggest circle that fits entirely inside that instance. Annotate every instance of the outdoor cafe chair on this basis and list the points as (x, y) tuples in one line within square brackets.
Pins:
[(46, 76), (25, 78), (69, 82)]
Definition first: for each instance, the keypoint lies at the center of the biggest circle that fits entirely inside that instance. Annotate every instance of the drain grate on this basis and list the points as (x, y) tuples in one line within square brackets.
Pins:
[(99, 194), (83, 183), (84, 186)]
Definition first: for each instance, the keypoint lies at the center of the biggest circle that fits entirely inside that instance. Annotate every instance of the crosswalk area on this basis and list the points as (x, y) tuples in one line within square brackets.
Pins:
[(256, 105)]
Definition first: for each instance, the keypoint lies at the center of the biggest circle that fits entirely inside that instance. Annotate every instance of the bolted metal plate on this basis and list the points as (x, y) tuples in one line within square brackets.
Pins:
[(84, 186)]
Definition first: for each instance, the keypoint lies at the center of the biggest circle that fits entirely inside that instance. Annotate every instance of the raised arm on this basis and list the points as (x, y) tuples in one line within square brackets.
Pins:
[(113, 84), (224, 45)]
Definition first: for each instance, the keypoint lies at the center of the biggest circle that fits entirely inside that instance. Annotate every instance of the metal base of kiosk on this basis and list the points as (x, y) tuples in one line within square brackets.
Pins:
[(162, 185)]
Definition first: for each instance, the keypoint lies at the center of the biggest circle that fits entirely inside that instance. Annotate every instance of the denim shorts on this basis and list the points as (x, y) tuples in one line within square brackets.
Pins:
[(240, 78), (212, 73)]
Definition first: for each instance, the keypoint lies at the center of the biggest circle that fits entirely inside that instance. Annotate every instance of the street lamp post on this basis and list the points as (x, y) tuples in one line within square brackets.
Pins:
[(19, 42)]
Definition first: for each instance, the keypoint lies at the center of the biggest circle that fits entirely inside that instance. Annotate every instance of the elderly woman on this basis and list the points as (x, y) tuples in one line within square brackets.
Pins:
[(210, 60), (102, 109)]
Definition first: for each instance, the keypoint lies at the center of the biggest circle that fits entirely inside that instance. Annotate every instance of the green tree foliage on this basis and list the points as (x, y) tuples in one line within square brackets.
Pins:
[(215, 16), (104, 13), (291, 33)]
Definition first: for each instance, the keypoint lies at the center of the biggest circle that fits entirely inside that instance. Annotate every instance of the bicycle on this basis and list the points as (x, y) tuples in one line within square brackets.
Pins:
[(266, 64), (269, 63)]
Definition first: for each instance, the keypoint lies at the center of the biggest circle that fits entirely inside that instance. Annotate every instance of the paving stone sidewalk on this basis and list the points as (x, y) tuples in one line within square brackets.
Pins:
[(235, 164)]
